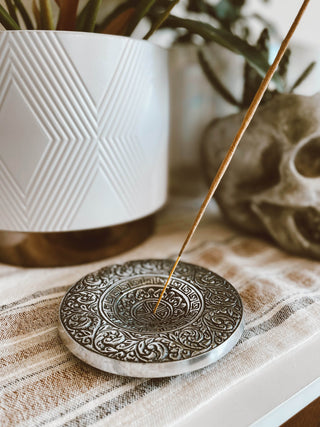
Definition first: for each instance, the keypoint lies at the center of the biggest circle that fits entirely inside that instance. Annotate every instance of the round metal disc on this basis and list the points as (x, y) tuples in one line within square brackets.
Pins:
[(107, 319)]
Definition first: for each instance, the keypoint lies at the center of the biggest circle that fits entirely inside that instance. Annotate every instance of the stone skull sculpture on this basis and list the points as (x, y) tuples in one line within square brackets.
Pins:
[(273, 182)]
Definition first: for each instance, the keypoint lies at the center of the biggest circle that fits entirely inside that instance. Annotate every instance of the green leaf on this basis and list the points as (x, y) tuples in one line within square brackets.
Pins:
[(160, 20), (141, 10), (303, 76), (113, 15), (229, 41), (215, 82), (25, 16), (12, 10), (7, 21), (90, 15), (283, 68), (81, 18), (36, 14), (227, 12), (46, 15), (197, 6), (119, 25), (67, 14), (252, 81), (263, 43)]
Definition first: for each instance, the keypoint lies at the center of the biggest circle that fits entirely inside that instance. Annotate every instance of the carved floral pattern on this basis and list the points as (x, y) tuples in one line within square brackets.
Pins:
[(111, 311)]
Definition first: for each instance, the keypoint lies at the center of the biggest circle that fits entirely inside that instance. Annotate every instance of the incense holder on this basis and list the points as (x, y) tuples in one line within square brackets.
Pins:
[(107, 320)]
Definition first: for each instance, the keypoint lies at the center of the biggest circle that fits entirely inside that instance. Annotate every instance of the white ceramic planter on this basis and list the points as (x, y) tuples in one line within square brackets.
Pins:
[(84, 130)]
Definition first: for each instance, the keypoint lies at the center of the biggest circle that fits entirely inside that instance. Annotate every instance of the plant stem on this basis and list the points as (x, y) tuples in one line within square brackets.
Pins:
[(161, 19), (36, 13), (46, 15), (91, 15), (24, 14), (227, 40), (12, 10), (113, 15), (141, 10), (214, 80), (7, 21), (67, 15), (303, 76)]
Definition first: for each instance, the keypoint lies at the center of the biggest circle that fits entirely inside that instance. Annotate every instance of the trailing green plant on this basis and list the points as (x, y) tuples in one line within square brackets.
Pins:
[(124, 19), (227, 14), (252, 79)]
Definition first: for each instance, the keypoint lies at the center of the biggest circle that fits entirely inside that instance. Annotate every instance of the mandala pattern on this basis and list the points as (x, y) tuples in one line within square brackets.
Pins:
[(110, 312)]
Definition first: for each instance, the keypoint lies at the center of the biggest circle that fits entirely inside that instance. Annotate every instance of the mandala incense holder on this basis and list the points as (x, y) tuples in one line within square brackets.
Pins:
[(107, 319), (125, 319)]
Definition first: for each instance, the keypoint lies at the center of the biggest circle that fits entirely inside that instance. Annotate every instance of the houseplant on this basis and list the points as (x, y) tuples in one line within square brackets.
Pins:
[(84, 121), (194, 102)]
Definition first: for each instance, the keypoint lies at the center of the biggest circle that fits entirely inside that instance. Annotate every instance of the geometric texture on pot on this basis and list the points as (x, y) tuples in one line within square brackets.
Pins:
[(84, 130)]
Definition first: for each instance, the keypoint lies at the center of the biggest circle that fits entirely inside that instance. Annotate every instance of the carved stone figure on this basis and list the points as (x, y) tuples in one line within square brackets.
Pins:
[(273, 182)]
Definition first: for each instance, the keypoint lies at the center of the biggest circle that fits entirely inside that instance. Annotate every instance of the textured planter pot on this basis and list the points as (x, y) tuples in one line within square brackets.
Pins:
[(84, 130)]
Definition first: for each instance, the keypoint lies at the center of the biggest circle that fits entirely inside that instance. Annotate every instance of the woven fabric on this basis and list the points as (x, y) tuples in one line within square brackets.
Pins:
[(41, 383)]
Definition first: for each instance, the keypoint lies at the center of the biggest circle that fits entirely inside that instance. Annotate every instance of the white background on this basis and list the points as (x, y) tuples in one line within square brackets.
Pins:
[(282, 12)]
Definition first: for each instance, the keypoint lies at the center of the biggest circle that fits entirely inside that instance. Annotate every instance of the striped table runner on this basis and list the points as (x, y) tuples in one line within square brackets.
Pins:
[(42, 384)]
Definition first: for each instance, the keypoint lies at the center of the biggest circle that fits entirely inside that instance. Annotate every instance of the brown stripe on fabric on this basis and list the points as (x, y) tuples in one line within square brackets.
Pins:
[(258, 294), (103, 410), (14, 411), (206, 248), (57, 388), (34, 296), (31, 306), (278, 318), (212, 257), (280, 301), (301, 277), (273, 256), (29, 351), (249, 247), (75, 405), (64, 390), (67, 358), (27, 306), (203, 245), (13, 325)]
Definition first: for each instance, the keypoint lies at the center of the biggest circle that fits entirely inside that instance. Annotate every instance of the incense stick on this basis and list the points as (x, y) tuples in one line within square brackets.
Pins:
[(245, 123)]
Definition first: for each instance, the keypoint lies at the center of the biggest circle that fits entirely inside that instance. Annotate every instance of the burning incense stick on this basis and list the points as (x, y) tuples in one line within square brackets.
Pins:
[(245, 123)]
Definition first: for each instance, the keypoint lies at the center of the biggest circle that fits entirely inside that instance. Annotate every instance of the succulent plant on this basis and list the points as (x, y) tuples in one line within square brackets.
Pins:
[(252, 79), (121, 21), (124, 19), (227, 14)]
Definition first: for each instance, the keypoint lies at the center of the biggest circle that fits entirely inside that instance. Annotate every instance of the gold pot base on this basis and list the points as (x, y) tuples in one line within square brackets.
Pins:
[(72, 247)]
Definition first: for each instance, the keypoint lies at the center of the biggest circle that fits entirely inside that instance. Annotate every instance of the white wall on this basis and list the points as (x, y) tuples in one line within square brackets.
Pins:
[(282, 13)]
